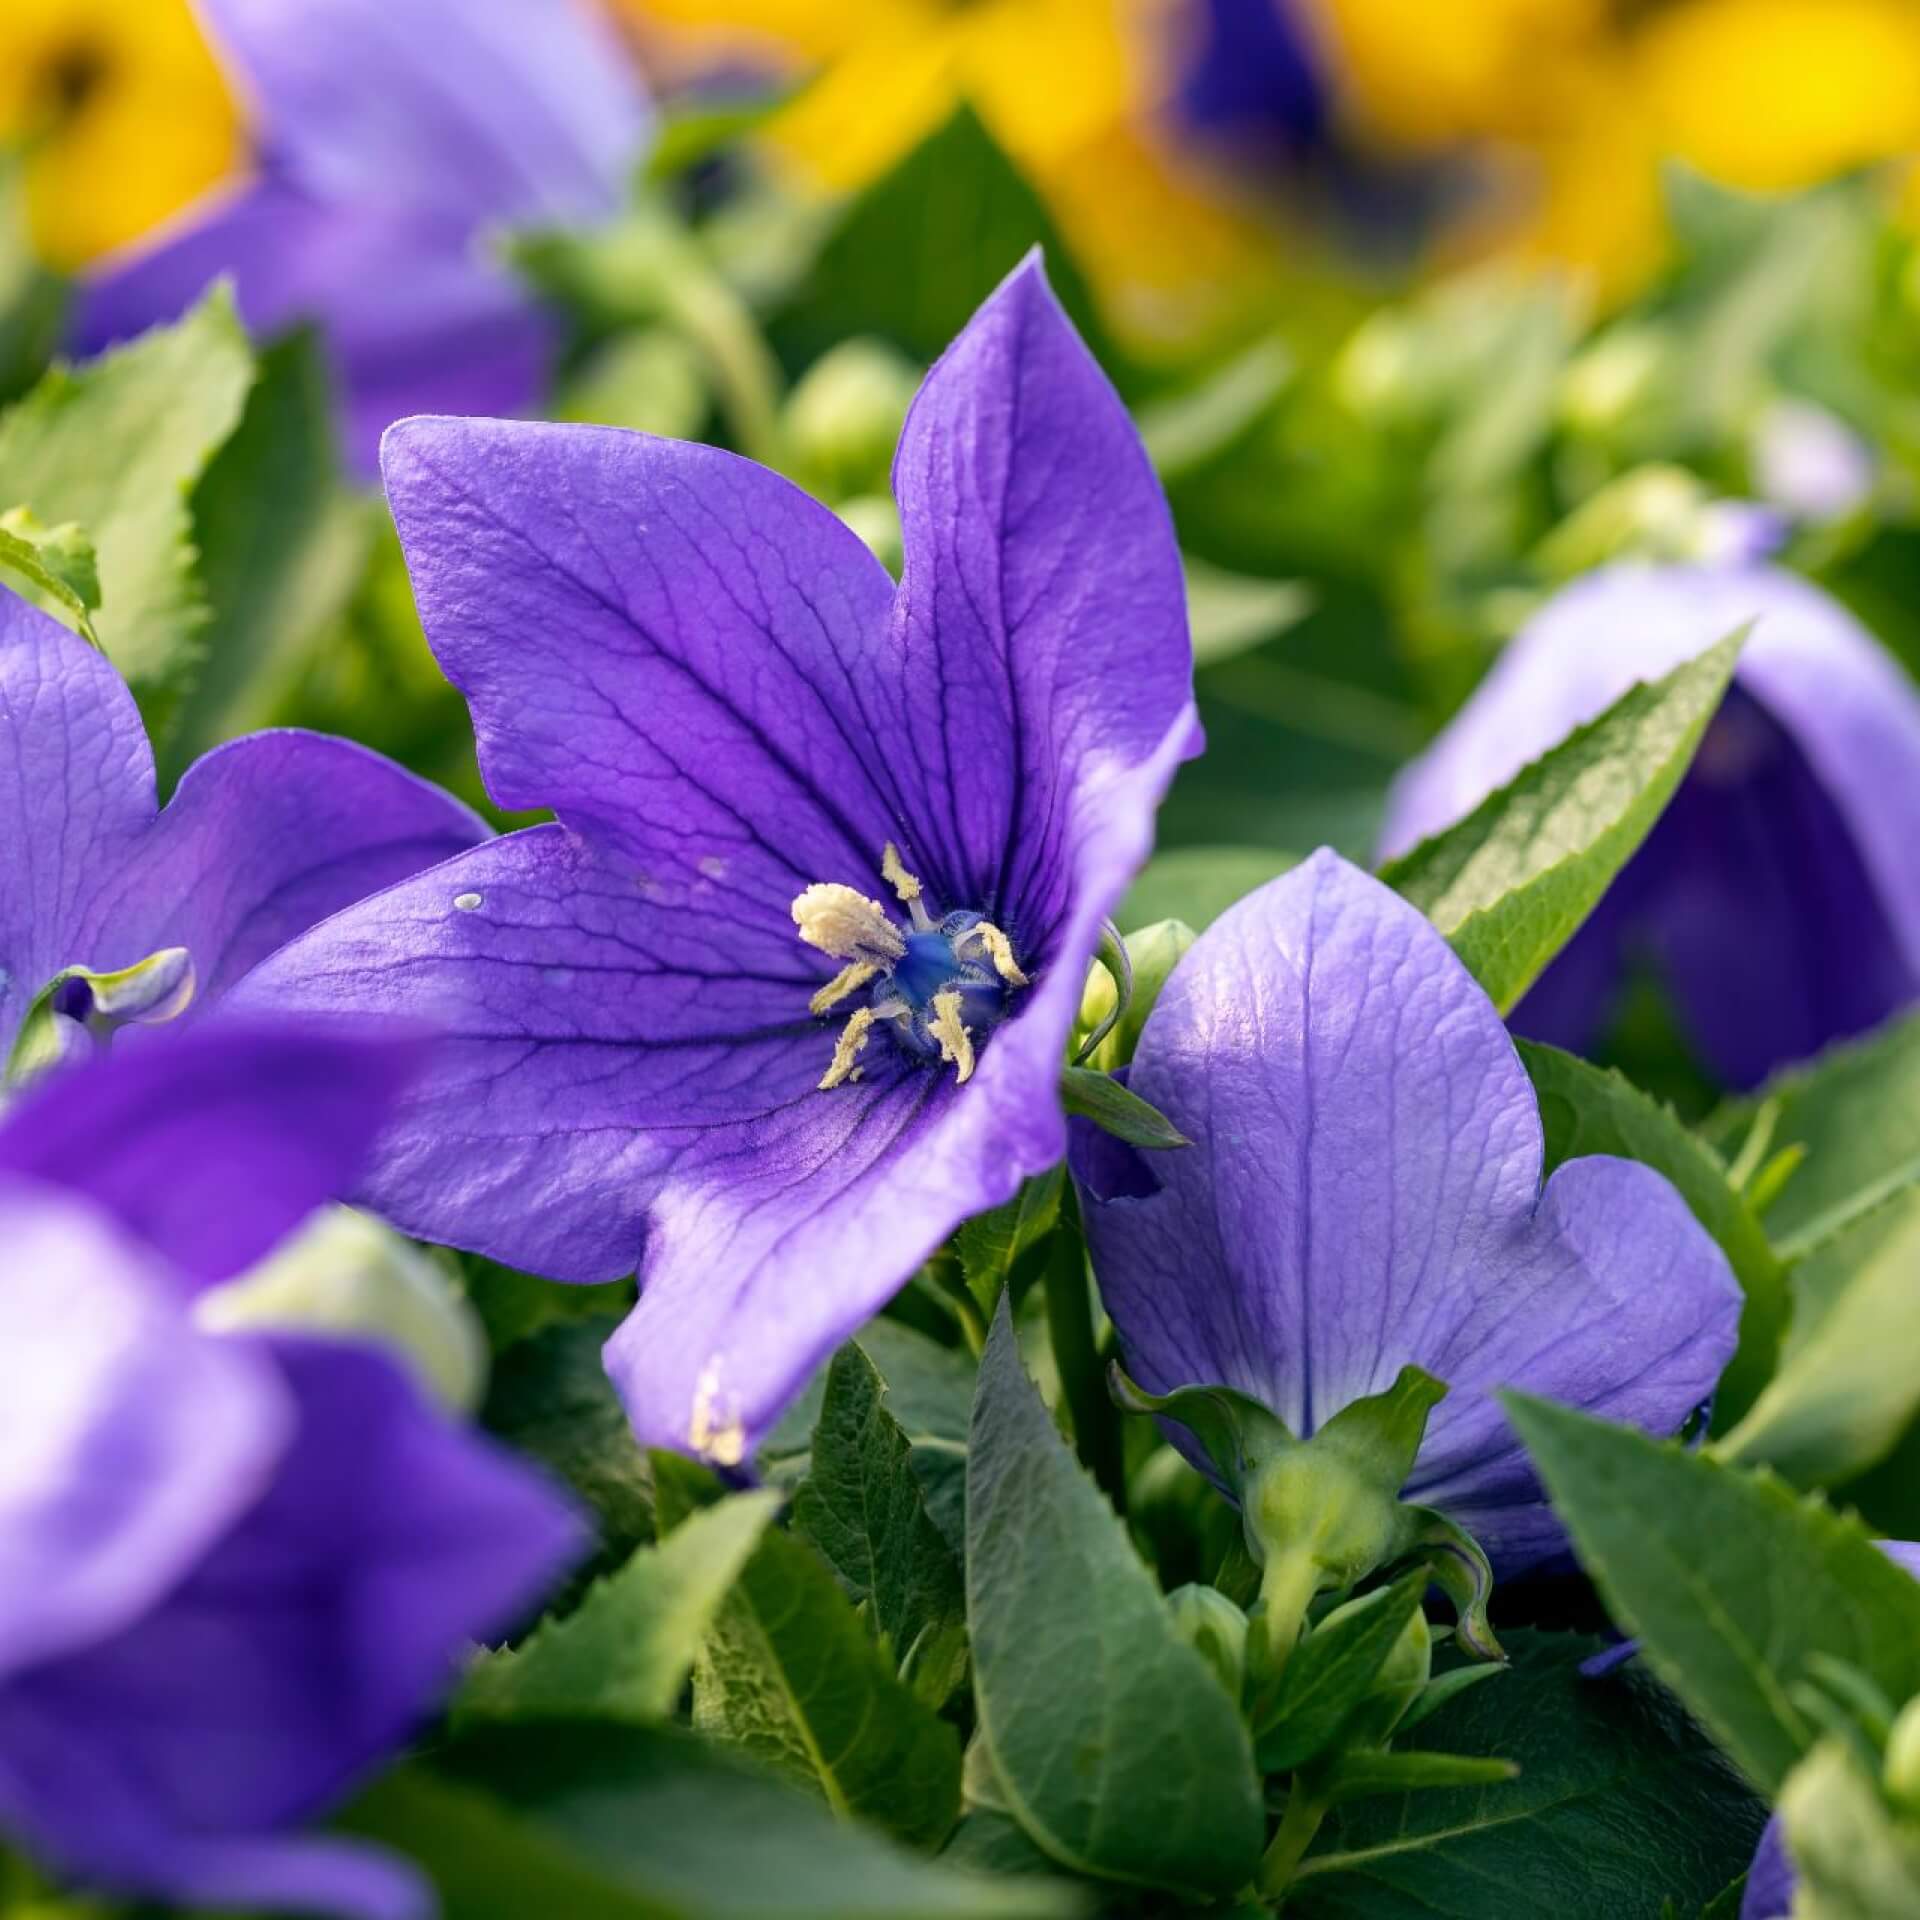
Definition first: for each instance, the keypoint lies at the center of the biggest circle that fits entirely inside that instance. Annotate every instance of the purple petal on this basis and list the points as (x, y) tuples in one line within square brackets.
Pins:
[(302, 1649), (485, 111), (1365, 1193), (266, 836), (129, 1442), (1784, 866), (76, 783), (1771, 1879), (211, 1144), (414, 315)]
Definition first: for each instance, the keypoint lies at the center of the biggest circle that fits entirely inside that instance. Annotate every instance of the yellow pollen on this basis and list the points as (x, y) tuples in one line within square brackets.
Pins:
[(850, 979), (846, 924), (897, 877), (846, 1050), (956, 1044), (1000, 952), (724, 1442)]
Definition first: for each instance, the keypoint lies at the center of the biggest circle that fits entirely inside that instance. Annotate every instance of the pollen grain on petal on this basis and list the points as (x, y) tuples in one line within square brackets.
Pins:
[(846, 1050), (846, 924), (850, 979), (946, 1026), (713, 1436)]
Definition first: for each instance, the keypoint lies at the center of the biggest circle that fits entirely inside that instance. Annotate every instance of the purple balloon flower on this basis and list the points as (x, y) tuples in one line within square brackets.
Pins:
[(391, 143), (1364, 1193), (234, 1573), (1778, 895), (681, 1019), (1771, 1880), (114, 910)]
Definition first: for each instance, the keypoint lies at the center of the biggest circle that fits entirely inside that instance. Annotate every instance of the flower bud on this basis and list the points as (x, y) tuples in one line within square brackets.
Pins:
[(1901, 1774), (1402, 1679), (844, 417), (347, 1273), (1216, 1630)]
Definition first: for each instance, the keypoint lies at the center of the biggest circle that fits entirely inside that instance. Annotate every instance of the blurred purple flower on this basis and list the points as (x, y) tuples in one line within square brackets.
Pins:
[(1771, 1881), (1364, 1193), (684, 1032), (392, 142), (1255, 77), (234, 1573), (264, 836), (1779, 895)]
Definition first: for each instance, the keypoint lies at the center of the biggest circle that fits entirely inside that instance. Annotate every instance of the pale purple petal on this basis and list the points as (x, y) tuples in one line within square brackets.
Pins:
[(211, 1144), (709, 679), (1364, 1193), (128, 1441), (301, 1650), (76, 795), (1784, 866), (1771, 1879)]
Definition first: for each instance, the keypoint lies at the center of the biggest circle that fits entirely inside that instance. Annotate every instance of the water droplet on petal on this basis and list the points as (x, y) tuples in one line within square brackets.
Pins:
[(467, 902)]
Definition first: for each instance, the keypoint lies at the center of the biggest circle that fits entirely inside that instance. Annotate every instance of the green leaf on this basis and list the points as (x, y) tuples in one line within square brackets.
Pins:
[(1360, 1775), (625, 1652), (863, 1509), (1510, 884), (54, 567), (1198, 884), (1851, 1859), (1328, 1674), (790, 1675), (118, 445), (282, 547), (991, 1244), (1587, 1110), (915, 253), (1114, 1745), (598, 1822), (1732, 1582), (1620, 1802), (1117, 1110)]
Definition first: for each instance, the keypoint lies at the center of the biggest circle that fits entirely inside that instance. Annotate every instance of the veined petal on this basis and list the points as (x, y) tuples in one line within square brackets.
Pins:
[(77, 789), (128, 1441), (487, 110), (301, 1649), (210, 1145), (1364, 1193)]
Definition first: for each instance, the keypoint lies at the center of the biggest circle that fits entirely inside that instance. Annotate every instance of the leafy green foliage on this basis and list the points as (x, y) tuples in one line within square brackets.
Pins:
[(1732, 1582), (1117, 1110), (1510, 884), (627, 1823), (1852, 1859), (1117, 1751), (117, 446), (790, 1675), (55, 567), (1619, 1804), (1586, 1110), (861, 1506), (625, 1652), (992, 1244)]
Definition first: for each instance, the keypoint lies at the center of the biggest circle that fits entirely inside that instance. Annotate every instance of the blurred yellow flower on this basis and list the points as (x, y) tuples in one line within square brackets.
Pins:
[(122, 113)]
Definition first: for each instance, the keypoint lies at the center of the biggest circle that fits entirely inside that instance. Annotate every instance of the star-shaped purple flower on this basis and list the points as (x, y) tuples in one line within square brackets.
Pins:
[(234, 1573), (391, 144), (1364, 1193), (786, 993), (114, 911), (1779, 895)]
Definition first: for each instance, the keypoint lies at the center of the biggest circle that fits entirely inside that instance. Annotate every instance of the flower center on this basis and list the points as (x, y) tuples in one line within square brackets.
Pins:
[(79, 1010), (939, 987)]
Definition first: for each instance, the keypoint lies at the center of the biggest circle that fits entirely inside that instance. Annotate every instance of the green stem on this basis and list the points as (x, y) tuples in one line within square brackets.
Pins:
[(1083, 1379), (1298, 1825), (746, 376)]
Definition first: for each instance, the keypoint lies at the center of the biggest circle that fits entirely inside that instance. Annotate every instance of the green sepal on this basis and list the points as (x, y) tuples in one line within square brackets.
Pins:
[(1118, 1110), (1382, 1433), (1462, 1572), (1238, 1434), (148, 993)]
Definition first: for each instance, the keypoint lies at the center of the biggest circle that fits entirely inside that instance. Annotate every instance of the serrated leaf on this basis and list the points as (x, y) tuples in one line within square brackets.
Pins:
[(596, 1822), (862, 1508), (54, 567), (1118, 1110), (790, 1676), (625, 1652), (1585, 1110), (991, 1244), (281, 545), (117, 445), (1731, 1582), (1327, 1675), (1620, 1803), (1113, 1742), (1510, 884)]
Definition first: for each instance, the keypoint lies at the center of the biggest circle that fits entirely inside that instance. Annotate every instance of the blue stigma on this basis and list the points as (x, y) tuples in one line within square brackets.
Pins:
[(930, 966)]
